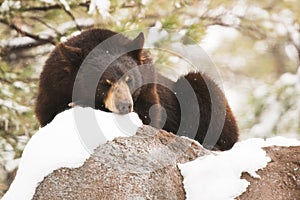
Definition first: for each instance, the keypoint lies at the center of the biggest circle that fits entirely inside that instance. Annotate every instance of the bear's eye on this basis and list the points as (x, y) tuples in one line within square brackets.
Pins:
[(128, 79), (108, 82)]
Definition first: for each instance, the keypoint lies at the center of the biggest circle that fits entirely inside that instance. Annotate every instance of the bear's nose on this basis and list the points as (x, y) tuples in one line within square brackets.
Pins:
[(124, 107)]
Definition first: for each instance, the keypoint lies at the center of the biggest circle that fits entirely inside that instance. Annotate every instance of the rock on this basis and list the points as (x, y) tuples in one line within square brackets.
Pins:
[(143, 166), (280, 180)]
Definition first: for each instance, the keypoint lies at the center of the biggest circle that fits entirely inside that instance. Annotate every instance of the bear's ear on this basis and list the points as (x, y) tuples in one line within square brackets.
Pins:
[(70, 54), (137, 44)]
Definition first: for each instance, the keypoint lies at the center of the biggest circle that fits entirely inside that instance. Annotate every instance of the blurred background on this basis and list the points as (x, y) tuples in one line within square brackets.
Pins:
[(255, 46)]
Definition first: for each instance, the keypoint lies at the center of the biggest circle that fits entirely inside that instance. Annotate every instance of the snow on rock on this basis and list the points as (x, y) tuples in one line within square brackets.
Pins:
[(63, 143), (217, 176)]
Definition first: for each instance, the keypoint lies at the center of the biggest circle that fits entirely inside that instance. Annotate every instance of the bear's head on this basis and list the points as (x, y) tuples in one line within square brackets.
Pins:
[(107, 76)]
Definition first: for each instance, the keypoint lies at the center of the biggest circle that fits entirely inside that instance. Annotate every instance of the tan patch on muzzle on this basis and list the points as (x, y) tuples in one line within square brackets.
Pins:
[(119, 99)]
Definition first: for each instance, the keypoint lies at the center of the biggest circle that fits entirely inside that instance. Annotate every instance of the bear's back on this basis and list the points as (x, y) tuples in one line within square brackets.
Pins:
[(89, 39)]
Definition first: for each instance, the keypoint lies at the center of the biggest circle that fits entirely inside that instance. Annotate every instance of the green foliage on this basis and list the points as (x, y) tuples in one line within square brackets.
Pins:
[(195, 34), (170, 22), (275, 107), (17, 121)]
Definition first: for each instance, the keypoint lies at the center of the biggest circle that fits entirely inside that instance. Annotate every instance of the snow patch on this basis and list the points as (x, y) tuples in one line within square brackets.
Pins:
[(48, 1), (288, 79), (213, 39), (102, 6), (14, 106), (7, 5), (61, 144), (155, 35), (65, 4), (281, 141), (217, 176)]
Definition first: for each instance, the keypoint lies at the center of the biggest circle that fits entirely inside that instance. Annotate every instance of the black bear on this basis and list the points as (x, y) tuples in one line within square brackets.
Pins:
[(126, 81)]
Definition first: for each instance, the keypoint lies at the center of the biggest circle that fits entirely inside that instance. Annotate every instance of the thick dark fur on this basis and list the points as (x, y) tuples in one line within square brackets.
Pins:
[(216, 118), (60, 70)]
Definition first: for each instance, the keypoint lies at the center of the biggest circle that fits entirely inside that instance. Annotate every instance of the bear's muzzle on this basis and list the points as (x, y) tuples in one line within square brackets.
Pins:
[(119, 99)]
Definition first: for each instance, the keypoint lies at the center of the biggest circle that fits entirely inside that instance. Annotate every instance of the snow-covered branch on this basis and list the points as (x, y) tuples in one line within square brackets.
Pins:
[(27, 42), (23, 32)]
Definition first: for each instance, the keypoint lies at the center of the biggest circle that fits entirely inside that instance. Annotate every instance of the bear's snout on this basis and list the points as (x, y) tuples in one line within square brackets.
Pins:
[(119, 99), (124, 107)]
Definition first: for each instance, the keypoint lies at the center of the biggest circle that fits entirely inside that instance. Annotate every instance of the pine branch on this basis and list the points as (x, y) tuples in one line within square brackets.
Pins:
[(46, 24), (73, 18), (52, 7), (28, 34), (42, 8)]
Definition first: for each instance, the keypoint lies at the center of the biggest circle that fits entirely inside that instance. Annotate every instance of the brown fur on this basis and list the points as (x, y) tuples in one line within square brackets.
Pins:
[(216, 118)]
